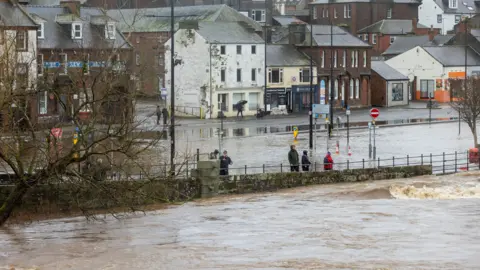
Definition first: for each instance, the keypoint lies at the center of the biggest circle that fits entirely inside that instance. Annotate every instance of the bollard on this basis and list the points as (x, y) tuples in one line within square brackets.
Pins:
[(363, 163), (348, 164), (198, 154), (408, 160), (379, 163), (393, 161), (422, 159), (431, 163), (263, 166), (245, 169)]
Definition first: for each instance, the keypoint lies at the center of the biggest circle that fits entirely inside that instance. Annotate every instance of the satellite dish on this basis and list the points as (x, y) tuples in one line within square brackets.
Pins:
[(470, 8)]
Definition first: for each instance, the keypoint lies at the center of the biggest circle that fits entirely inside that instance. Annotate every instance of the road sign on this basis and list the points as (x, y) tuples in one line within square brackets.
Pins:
[(374, 113), (321, 108), (163, 92)]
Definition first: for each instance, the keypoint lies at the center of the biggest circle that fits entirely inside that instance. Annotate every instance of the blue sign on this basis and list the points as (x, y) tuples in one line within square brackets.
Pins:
[(77, 129), (51, 64), (304, 88), (315, 115), (97, 64), (75, 64)]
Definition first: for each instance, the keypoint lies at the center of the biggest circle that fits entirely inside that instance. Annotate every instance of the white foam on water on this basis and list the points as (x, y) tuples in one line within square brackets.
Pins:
[(442, 193)]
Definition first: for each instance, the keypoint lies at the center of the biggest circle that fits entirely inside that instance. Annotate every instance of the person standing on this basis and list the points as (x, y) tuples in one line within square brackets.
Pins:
[(293, 159), (328, 162), (225, 161), (159, 114), (165, 116), (240, 109), (305, 162)]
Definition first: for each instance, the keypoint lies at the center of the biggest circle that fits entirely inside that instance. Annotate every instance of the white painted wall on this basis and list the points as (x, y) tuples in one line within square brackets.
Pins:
[(390, 101), (428, 11), (417, 62), (195, 73)]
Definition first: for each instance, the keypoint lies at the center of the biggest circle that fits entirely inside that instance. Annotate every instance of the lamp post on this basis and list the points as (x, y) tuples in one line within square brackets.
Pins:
[(172, 86), (310, 137)]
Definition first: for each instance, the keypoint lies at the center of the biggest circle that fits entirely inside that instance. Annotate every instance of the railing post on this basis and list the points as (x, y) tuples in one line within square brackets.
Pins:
[(408, 160), (245, 169), (421, 163), (281, 167), (363, 163), (455, 161), (348, 164), (393, 161), (263, 166), (443, 162)]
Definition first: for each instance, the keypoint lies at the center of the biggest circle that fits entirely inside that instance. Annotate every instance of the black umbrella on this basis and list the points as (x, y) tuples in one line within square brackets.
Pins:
[(242, 102)]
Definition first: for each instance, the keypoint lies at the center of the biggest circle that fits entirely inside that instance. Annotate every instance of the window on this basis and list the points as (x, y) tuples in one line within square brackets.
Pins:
[(335, 15), (223, 50), (110, 31), (364, 58), (352, 58), (344, 58), (392, 39), (347, 11), (86, 64), (397, 92), (322, 59), (325, 12), (275, 75), (76, 31), (357, 88), (254, 49), (343, 90), (239, 74), (258, 15), (63, 63), (452, 4), (222, 75), (352, 88), (239, 49), (223, 102), (439, 18), (40, 67), (43, 103), (426, 88), (161, 60), (365, 37), (21, 40), (84, 102), (335, 58), (253, 101), (41, 31), (374, 38), (356, 58), (389, 13), (457, 18), (137, 59), (22, 76), (335, 93), (304, 75), (254, 75), (314, 9)]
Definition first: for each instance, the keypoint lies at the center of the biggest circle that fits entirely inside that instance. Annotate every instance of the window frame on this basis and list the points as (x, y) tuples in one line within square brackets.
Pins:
[(302, 75), (223, 50), (344, 58), (389, 13), (18, 67), (357, 88), (453, 4), (110, 33), (137, 59), (335, 14), (347, 11), (253, 75), (86, 62), (365, 59), (352, 88), (254, 49), (74, 31), (262, 15), (63, 63), (24, 47), (87, 108), (322, 57), (40, 65), (41, 30), (458, 18), (43, 111), (239, 49), (223, 75), (280, 75), (314, 12), (335, 58), (374, 38), (239, 75), (439, 18)]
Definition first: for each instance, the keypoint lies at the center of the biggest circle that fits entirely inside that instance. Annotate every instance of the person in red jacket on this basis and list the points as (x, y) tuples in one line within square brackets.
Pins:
[(328, 162)]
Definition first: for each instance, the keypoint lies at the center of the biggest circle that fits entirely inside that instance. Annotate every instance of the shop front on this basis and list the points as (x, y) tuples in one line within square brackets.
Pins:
[(301, 97), (276, 98)]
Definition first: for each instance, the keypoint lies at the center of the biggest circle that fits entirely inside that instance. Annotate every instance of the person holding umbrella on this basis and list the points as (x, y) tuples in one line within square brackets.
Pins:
[(240, 105)]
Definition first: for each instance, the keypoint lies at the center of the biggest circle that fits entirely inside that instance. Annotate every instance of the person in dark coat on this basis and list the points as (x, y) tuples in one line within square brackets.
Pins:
[(240, 109), (159, 114), (293, 159), (165, 116), (225, 161), (328, 162), (305, 162)]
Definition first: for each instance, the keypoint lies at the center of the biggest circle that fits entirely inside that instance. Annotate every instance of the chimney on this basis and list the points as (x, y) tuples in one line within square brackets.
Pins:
[(414, 25), (431, 33), (72, 6)]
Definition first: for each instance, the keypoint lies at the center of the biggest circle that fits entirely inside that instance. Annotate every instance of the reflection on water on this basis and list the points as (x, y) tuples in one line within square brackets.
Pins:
[(342, 226)]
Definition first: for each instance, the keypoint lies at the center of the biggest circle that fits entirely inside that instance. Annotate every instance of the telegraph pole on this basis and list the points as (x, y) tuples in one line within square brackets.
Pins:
[(332, 85), (172, 86), (311, 84)]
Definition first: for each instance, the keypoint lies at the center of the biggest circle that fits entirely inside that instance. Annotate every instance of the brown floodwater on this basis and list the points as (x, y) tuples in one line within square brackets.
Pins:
[(427, 222)]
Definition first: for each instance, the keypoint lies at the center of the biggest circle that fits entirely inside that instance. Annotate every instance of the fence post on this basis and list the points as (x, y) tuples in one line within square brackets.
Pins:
[(421, 163), (198, 154), (245, 169), (348, 164), (363, 163), (281, 167), (455, 161), (393, 161), (408, 160), (443, 162), (263, 166), (378, 162)]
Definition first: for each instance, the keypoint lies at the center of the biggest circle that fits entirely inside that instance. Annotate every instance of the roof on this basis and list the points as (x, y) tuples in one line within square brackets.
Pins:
[(450, 56), (285, 55), (158, 19), (11, 15), (464, 6), (405, 43), (279, 34), (298, 12), (387, 72), (58, 36), (286, 20), (228, 33), (317, 2), (341, 38), (391, 27)]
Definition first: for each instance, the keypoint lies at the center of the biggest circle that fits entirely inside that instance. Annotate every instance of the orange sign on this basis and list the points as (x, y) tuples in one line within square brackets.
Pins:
[(456, 75)]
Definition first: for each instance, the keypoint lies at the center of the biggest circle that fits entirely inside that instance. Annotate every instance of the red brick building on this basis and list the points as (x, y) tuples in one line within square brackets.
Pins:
[(355, 15)]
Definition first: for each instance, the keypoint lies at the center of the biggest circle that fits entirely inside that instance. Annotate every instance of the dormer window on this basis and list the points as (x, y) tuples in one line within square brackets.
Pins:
[(452, 4), (41, 31), (76, 31), (110, 31)]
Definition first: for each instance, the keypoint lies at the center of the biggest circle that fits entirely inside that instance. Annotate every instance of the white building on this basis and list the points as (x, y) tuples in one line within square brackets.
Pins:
[(430, 68), (445, 14), (218, 64)]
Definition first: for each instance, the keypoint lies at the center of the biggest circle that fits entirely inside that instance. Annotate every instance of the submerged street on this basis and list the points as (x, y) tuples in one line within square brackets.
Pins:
[(428, 222)]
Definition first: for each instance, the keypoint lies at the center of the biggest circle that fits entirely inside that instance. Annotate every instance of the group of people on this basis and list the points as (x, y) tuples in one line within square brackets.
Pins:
[(294, 160), (159, 114)]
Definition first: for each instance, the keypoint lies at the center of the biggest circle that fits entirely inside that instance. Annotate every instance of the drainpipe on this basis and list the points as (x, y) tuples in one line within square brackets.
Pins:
[(211, 105)]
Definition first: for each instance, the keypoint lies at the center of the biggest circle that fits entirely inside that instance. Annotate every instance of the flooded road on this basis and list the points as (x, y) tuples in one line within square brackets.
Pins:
[(428, 222)]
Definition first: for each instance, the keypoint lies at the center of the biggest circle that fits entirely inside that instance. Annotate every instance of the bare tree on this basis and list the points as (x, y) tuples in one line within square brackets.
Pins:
[(466, 101)]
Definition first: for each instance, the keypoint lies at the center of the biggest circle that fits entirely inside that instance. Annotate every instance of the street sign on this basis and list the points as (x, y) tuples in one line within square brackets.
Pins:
[(322, 92), (348, 112), (163, 92), (321, 108), (316, 115), (374, 113)]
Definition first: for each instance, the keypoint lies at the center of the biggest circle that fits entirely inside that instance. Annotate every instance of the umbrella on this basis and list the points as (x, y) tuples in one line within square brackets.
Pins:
[(242, 102)]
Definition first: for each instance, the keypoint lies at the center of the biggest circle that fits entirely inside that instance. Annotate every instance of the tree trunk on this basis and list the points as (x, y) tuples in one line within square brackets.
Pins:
[(13, 200)]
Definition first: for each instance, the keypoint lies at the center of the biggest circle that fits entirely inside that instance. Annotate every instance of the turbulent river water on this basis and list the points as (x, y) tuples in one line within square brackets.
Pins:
[(428, 222)]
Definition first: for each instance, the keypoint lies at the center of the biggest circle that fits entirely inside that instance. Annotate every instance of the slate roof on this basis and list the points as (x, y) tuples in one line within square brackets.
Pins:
[(11, 15), (285, 55), (403, 44), (464, 6), (341, 38), (279, 34), (228, 33), (451, 56), (158, 19), (364, 1), (387, 72), (391, 27), (286, 20), (58, 36)]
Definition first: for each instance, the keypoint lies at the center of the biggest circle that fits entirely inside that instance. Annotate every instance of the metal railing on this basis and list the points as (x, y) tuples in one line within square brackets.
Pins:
[(195, 111)]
